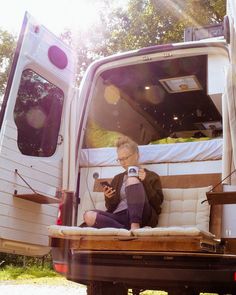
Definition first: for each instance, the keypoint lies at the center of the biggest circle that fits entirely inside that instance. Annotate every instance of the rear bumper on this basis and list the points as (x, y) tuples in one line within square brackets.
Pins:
[(214, 273)]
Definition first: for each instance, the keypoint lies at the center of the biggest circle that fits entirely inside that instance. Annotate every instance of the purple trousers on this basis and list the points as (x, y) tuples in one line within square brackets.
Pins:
[(138, 211)]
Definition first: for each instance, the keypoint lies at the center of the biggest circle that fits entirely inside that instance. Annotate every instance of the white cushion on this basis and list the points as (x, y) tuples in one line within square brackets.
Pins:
[(58, 230), (176, 202), (183, 207), (170, 231)]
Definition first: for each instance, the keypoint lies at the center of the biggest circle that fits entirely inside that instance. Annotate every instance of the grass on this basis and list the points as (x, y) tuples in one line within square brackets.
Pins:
[(26, 273), (39, 275)]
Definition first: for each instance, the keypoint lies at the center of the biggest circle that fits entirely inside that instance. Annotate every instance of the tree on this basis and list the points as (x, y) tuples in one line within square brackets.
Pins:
[(163, 21), (140, 24), (94, 43), (7, 45)]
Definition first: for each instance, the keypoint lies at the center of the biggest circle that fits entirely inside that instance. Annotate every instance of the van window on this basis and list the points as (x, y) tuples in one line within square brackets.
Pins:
[(153, 102), (37, 115)]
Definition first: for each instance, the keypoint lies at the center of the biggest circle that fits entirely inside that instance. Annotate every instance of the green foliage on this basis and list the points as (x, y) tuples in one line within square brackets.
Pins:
[(19, 273), (140, 24), (154, 293), (25, 261), (7, 46), (154, 22), (18, 267)]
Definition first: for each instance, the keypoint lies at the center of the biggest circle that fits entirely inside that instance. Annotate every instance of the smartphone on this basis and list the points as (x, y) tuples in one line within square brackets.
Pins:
[(105, 183)]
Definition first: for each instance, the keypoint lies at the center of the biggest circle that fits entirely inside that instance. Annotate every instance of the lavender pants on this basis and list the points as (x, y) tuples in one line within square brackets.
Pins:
[(138, 211)]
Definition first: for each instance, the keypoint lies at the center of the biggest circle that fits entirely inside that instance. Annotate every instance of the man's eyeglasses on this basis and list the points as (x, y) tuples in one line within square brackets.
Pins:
[(124, 158)]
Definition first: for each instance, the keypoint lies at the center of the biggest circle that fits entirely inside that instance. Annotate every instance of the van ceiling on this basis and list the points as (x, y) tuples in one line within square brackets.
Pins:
[(171, 112)]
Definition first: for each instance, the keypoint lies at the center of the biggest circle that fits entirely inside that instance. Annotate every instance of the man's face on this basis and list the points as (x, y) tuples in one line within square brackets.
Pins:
[(127, 158)]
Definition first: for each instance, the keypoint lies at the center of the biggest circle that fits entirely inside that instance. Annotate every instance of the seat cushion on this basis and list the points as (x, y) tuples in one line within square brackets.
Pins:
[(58, 230), (184, 207), (171, 231)]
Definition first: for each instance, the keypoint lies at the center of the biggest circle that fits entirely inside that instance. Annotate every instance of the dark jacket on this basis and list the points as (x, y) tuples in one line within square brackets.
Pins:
[(152, 186)]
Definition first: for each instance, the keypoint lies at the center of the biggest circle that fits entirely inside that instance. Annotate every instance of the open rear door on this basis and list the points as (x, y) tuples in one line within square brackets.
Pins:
[(34, 122), (229, 130), (229, 99)]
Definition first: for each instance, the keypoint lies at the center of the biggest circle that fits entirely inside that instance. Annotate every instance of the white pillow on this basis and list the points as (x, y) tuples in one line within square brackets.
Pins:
[(183, 207)]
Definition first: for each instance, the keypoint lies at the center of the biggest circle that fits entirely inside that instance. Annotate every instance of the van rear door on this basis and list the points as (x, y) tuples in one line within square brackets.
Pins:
[(33, 123), (229, 125), (229, 156)]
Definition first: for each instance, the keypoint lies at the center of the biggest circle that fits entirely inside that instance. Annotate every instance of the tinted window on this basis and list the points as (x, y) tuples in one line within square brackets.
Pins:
[(37, 114)]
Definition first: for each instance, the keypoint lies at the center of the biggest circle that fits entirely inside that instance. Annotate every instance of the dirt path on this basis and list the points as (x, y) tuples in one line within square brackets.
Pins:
[(13, 288)]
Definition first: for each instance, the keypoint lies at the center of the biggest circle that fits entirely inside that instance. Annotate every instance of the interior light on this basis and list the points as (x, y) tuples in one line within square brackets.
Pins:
[(153, 94), (181, 84), (175, 118), (184, 87)]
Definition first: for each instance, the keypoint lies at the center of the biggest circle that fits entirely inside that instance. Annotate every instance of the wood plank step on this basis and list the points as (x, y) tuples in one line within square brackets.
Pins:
[(166, 243)]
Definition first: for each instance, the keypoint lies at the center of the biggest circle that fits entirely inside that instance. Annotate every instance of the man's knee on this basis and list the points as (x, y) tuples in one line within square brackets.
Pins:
[(90, 217)]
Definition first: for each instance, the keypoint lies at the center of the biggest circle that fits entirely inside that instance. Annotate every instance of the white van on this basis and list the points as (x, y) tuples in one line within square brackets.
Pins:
[(177, 104)]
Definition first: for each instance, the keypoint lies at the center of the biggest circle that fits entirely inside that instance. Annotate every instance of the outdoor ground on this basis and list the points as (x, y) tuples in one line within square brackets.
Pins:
[(38, 279)]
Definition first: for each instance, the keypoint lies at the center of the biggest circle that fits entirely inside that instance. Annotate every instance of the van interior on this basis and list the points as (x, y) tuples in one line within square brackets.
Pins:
[(163, 101)]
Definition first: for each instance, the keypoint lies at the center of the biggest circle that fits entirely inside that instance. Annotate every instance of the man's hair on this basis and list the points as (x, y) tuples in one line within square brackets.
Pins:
[(126, 142)]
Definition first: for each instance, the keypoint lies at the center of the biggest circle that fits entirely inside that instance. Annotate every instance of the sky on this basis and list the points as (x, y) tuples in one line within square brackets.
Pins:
[(56, 15)]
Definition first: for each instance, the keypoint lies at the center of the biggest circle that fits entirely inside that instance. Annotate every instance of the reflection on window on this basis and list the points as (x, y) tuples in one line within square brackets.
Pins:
[(37, 115)]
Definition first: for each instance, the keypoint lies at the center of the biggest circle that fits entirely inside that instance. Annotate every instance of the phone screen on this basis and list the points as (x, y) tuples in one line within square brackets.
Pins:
[(105, 183)]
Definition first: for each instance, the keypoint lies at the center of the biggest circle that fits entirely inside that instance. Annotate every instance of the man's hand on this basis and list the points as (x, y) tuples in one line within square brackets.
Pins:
[(141, 174), (108, 191)]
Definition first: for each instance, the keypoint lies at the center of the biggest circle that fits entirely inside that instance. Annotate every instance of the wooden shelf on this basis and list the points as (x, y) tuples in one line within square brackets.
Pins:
[(37, 198), (219, 198)]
